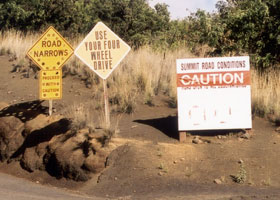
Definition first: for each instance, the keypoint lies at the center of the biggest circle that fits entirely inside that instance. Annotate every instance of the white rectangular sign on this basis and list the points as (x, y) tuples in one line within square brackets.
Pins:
[(214, 93)]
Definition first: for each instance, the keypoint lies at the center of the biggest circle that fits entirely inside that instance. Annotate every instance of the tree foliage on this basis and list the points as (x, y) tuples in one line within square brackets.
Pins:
[(253, 26), (34, 15), (134, 20), (240, 27)]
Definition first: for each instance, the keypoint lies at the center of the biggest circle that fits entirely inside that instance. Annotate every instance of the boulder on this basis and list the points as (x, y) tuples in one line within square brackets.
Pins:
[(197, 140), (40, 122), (11, 138), (65, 157), (3, 105), (75, 155), (65, 163), (246, 136), (218, 181), (31, 161), (95, 163), (41, 149)]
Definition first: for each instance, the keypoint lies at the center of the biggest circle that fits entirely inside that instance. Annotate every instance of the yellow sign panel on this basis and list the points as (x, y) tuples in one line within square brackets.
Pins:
[(50, 84), (51, 51), (102, 50)]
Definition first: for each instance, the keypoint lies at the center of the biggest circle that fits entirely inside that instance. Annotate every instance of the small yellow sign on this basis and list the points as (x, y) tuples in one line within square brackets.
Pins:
[(50, 84), (51, 51), (102, 50)]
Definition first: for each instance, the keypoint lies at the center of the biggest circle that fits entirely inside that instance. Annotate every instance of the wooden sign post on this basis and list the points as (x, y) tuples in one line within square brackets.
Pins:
[(102, 51)]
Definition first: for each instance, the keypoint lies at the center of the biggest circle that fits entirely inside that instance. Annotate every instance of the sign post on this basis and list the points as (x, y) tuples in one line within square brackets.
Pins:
[(102, 51), (214, 93), (106, 105), (50, 107), (50, 52)]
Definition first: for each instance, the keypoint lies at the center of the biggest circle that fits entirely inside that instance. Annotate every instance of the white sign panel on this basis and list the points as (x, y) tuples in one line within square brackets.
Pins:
[(214, 93), (102, 50)]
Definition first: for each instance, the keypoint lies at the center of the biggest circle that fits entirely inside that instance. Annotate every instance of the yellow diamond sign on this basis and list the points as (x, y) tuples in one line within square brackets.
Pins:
[(102, 50), (51, 51)]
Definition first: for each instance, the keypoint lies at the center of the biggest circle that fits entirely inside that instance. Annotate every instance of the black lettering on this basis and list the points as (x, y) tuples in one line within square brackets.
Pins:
[(44, 44)]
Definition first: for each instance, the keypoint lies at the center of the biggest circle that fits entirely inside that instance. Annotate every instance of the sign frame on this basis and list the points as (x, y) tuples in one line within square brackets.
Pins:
[(213, 79)]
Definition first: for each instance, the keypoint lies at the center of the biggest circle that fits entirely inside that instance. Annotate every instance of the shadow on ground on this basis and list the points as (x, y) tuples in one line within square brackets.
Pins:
[(24, 111), (169, 127)]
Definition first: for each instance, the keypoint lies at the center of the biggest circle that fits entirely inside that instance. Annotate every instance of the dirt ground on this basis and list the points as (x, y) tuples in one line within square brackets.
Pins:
[(148, 161)]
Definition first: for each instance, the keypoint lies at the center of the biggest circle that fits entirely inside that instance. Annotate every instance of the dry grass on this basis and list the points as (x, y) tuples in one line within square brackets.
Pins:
[(266, 94), (17, 44), (143, 74), (81, 116), (147, 73)]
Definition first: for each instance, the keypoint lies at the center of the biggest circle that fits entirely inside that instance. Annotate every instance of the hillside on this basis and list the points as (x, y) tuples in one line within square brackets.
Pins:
[(144, 157)]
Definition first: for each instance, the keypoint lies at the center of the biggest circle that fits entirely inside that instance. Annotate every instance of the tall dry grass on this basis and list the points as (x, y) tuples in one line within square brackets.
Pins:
[(17, 44), (147, 73), (266, 94), (143, 74)]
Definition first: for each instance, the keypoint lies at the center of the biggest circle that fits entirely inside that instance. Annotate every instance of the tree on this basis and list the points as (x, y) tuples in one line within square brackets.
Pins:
[(133, 20), (203, 29), (34, 15), (251, 26)]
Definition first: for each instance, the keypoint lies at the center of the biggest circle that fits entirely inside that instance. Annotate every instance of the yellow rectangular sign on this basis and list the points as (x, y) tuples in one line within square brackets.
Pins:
[(50, 84)]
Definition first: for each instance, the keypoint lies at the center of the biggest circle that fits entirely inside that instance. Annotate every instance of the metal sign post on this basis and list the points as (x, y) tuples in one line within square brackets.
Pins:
[(50, 52), (106, 104), (50, 107), (102, 50)]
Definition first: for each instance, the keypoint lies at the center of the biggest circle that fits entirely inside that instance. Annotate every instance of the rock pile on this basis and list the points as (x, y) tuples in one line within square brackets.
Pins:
[(49, 143)]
